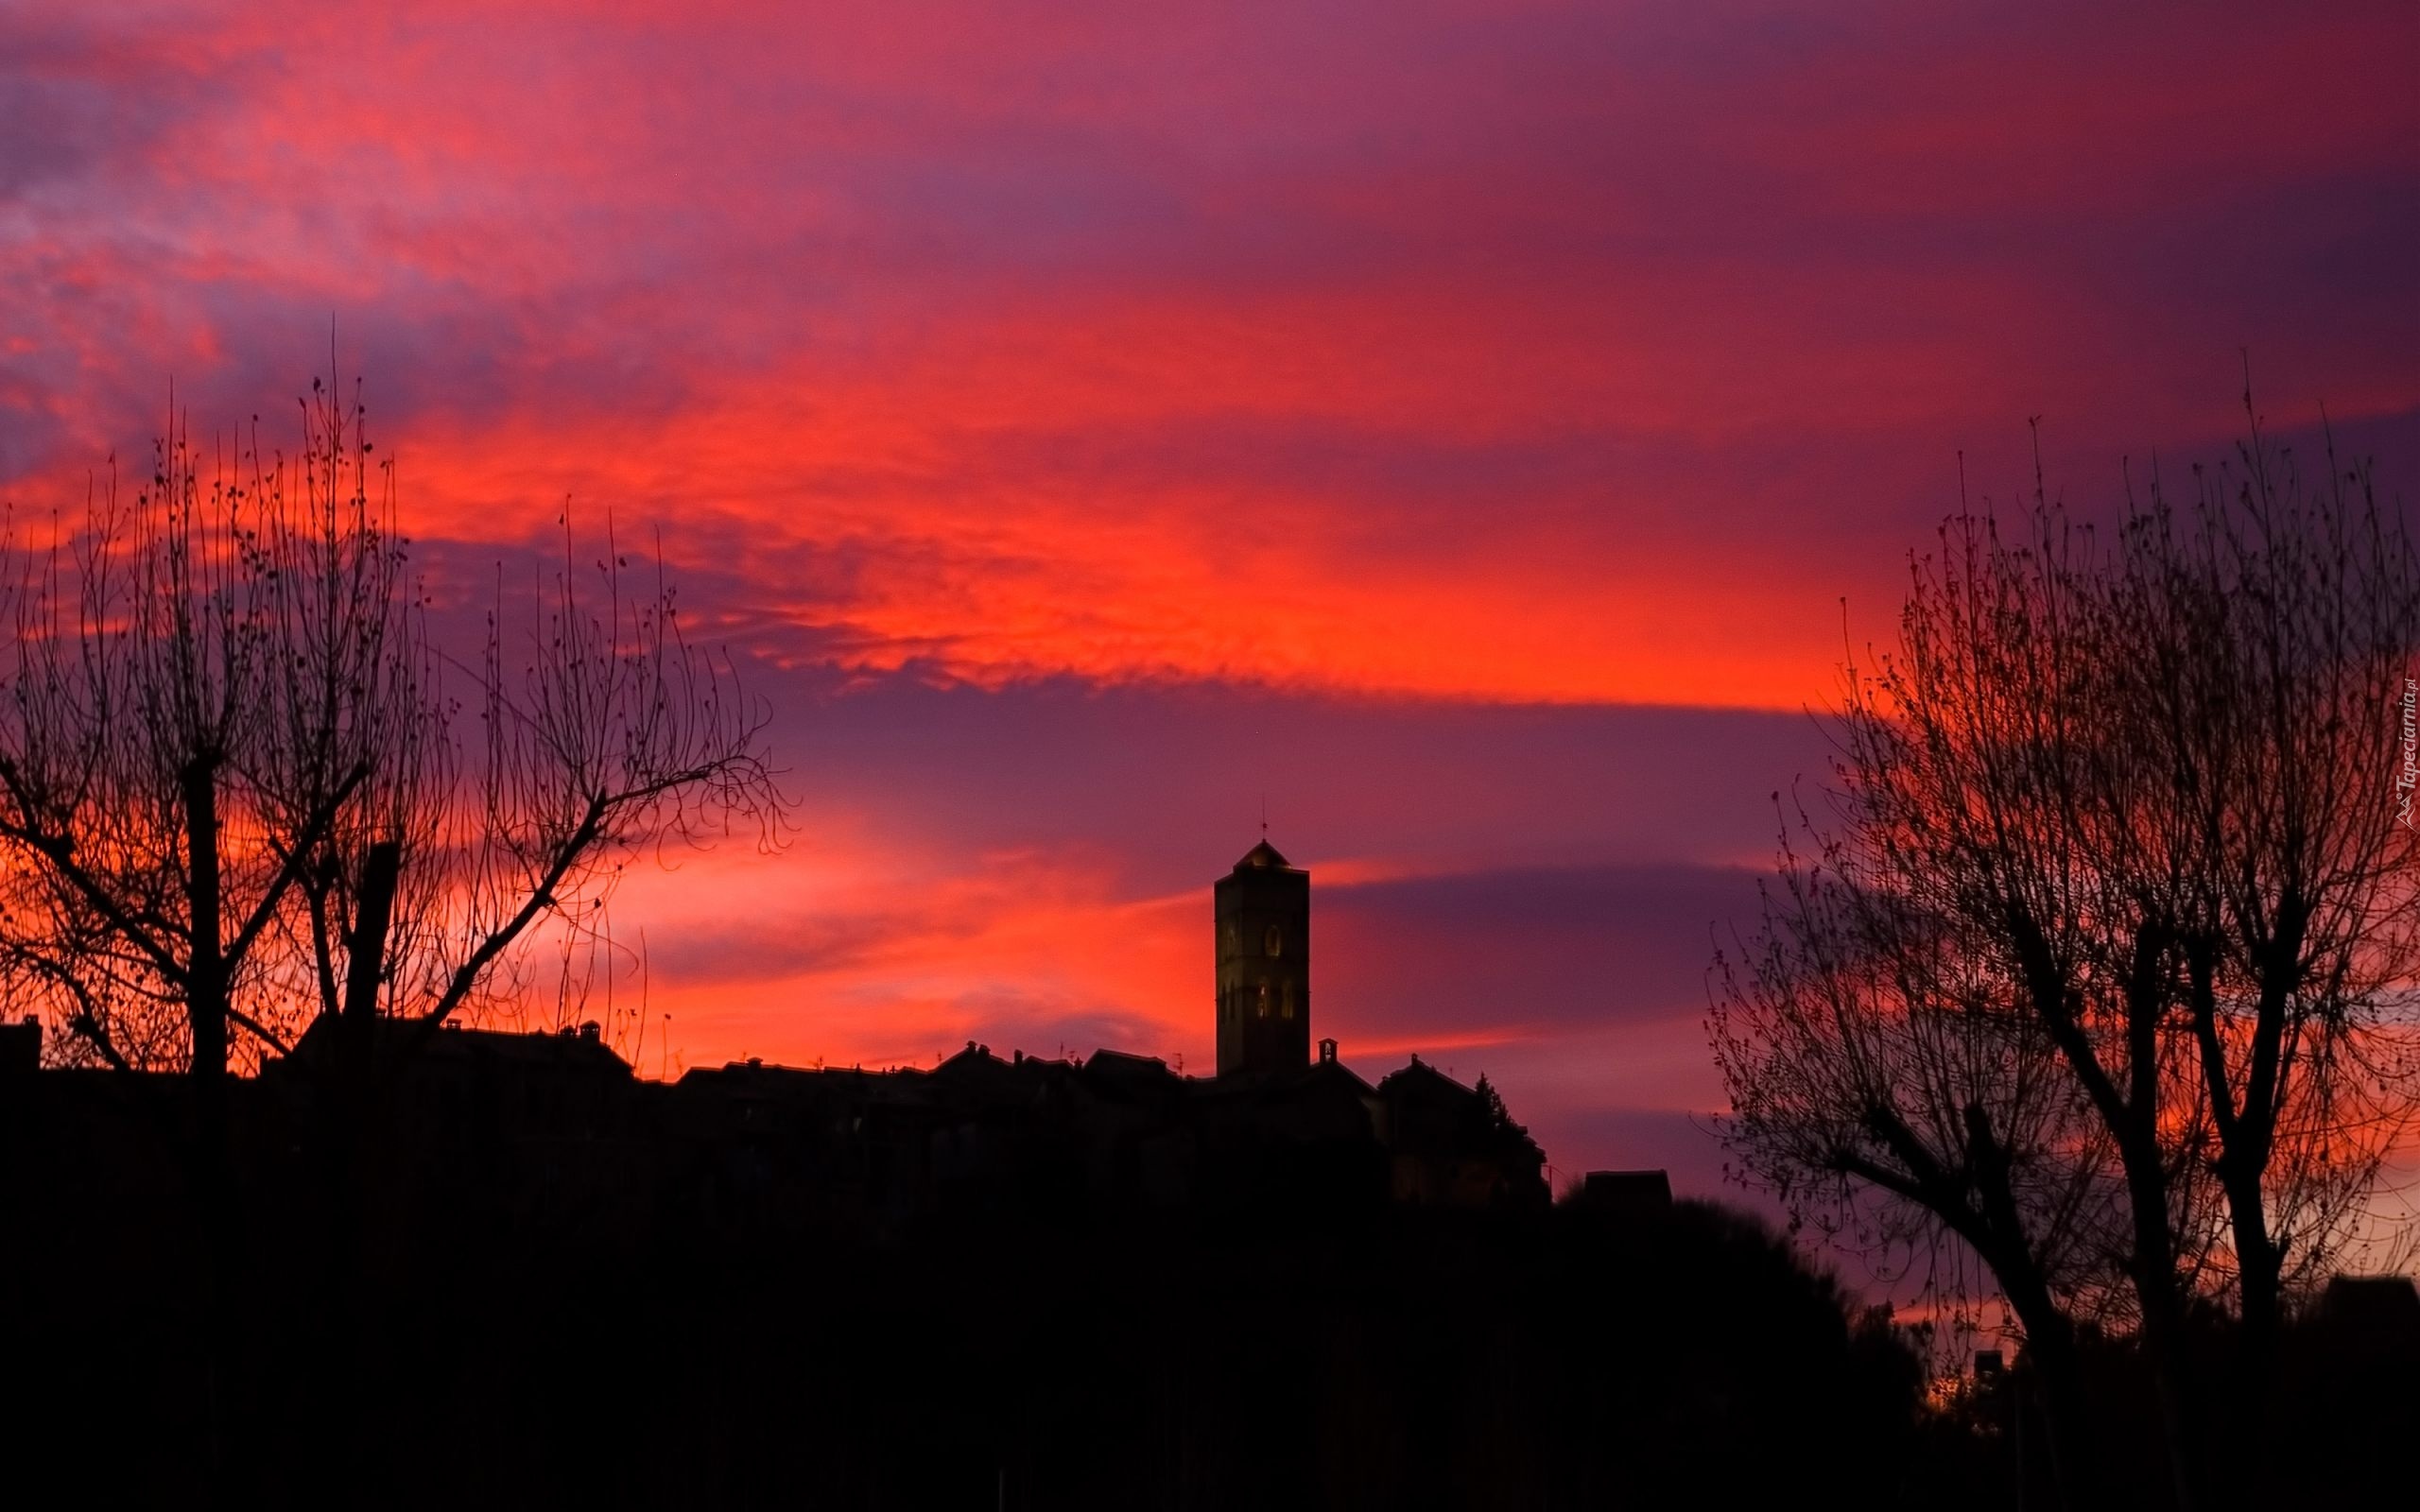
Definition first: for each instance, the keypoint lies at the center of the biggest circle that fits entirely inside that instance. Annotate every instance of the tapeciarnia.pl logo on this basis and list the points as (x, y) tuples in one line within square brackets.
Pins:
[(2409, 777)]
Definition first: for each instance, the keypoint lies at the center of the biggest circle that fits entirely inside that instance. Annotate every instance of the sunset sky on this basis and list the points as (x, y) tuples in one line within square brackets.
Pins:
[(1456, 425)]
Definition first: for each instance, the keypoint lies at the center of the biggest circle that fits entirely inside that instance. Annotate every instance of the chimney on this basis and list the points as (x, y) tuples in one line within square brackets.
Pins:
[(1626, 1193), (21, 1047)]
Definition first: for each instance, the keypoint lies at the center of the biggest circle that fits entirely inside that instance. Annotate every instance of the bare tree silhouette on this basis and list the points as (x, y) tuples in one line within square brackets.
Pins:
[(232, 782), (236, 794), (2105, 967)]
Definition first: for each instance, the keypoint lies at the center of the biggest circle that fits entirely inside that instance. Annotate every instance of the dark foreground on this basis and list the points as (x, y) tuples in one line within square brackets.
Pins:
[(517, 1339)]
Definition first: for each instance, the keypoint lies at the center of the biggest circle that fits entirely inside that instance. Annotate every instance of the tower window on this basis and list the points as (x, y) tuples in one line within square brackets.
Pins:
[(1286, 1005), (1264, 1000), (1274, 941)]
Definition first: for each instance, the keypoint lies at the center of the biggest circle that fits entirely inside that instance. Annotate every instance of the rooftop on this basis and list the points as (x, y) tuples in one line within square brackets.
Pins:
[(1263, 857)]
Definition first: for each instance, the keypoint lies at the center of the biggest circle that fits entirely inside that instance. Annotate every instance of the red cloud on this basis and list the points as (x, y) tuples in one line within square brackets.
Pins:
[(1454, 358)]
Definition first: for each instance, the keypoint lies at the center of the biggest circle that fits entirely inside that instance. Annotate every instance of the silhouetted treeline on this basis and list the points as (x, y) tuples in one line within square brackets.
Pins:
[(1385, 1358), (523, 1330)]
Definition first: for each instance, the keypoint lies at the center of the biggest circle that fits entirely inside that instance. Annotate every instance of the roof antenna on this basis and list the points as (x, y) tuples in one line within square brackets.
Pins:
[(1264, 815)]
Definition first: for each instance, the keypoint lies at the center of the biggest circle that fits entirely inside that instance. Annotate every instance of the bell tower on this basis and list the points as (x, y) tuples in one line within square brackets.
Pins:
[(1263, 917)]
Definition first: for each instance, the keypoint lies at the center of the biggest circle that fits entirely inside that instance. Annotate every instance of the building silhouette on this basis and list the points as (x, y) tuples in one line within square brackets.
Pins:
[(1263, 914), (988, 1133), (553, 1123), (983, 1132)]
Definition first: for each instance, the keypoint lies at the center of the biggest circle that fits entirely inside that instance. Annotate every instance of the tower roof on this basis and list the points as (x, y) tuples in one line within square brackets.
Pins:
[(1262, 857)]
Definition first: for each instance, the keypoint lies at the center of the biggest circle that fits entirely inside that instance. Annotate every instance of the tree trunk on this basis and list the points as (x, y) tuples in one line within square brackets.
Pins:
[(2260, 1282), (2180, 1400), (2049, 1334), (366, 947), (351, 1107), (206, 1004), (2058, 1380)]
